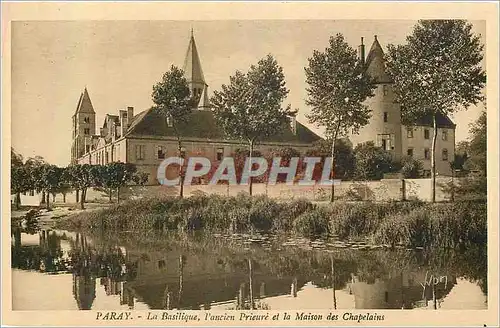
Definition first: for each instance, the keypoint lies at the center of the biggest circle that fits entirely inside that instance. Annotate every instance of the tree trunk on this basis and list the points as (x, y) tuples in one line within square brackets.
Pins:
[(53, 198), (332, 170), (181, 171), (82, 200), (118, 194), (433, 160), (48, 201), (17, 200), (43, 198), (110, 194), (77, 195), (250, 182), (64, 197)]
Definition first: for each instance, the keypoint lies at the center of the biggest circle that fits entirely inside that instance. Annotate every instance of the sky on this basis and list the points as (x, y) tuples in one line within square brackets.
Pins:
[(120, 61)]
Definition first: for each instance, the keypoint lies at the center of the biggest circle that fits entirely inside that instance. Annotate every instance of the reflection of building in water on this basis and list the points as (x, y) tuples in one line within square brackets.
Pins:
[(399, 291), (163, 283), (84, 291)]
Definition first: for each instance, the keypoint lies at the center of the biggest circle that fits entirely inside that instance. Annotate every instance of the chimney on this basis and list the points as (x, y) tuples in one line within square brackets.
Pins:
[(130, 114), (124, 120), (361, 52)]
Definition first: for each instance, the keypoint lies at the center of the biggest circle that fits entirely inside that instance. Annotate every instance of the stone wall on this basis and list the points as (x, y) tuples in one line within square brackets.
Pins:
[(383, 190)]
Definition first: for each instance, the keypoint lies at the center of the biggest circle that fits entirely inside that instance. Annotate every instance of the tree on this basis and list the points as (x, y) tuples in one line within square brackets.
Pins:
[(461, 156), (249, 107), (477, 152), (172, 100), (411, 168), (338, 87), (82, 177), (344, 158), (34, 170), (371, 161), (19, 177), (438, 70)]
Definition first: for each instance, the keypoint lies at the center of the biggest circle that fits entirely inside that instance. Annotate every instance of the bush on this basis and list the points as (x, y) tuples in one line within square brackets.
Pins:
[(312, 223)]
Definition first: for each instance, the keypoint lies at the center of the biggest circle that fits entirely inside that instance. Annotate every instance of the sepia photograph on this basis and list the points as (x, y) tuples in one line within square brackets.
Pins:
[(246, 171)]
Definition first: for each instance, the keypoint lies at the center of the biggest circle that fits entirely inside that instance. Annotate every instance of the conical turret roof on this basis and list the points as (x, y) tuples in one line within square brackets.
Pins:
[(192, 64), (375, 66)]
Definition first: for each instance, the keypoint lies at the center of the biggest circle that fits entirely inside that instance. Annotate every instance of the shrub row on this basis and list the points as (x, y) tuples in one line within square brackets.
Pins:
[(409, 223)]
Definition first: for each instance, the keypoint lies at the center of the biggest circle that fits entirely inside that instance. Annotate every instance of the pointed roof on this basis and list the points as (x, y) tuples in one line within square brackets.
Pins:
[(204, 101), (84, 103), (375, 65), (202, 124), (192, 64)]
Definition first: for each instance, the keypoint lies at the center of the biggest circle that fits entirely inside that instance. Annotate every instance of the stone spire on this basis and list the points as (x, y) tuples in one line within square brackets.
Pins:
[(192, 64), (84, 103), (194, 75)]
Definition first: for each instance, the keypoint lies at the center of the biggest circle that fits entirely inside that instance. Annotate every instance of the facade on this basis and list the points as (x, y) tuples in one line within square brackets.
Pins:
[(386, 130), (146, 139)]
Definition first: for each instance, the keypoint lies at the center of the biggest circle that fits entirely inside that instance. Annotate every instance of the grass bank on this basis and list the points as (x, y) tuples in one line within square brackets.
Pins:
[(409, 223)]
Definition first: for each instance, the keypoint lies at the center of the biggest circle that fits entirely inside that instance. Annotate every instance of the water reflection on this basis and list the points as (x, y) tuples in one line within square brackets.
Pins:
[(176, 272)]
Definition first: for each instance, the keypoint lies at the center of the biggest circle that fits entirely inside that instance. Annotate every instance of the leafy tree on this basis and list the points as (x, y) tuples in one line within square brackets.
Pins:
[(411, 168), (461, 156), (48, 180), (172, 99), (249, 107), (338, 87), (477, 152), (286, 154), (34, 170), (19, 177), (371, 161), (344, 158), (82, 177), (438, 70)]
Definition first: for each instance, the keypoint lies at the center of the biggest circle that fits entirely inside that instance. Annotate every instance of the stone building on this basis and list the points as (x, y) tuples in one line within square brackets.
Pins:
[(146, 139), (386, 130)]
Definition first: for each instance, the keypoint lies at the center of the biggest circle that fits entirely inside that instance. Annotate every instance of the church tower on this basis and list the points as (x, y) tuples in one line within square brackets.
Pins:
[(83, 127), (194, 75), (384, 127)]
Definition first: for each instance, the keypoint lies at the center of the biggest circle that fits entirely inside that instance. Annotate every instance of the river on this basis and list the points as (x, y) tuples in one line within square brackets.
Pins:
[(61, 270)]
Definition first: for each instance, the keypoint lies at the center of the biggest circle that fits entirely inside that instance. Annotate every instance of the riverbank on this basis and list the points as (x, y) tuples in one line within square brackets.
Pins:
[(412, 224)]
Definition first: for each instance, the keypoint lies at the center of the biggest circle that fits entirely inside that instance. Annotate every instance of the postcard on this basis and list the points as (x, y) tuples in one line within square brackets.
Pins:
[(250, 163)]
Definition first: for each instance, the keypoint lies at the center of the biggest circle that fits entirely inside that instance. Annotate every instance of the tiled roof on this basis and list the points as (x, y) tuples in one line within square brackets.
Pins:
[(202, 124), (443, 121)]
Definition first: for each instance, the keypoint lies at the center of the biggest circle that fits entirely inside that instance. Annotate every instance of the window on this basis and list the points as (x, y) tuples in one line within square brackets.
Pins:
[(409, 152), (86, 120), (220, 154), (426, 133), (445, 135), (139, 152), (86, 131), (384, 144), (161, 264), (445, 154), (160, 152), (426, 153), (409, 132), (385, 117), (385, 90), (32, 193), (87, 148)]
